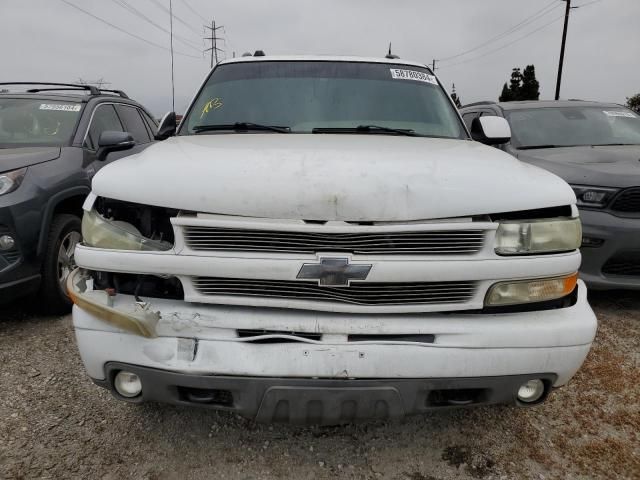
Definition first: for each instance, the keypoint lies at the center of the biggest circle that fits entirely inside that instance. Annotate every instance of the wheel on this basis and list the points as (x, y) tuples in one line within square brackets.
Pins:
[(64, 235)]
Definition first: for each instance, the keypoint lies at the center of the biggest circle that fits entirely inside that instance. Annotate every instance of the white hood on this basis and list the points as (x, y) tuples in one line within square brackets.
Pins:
[(330, 177)]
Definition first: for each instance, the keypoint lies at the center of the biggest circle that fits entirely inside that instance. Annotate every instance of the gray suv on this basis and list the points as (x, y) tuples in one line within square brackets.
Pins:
[(53, 139), (595, 147)]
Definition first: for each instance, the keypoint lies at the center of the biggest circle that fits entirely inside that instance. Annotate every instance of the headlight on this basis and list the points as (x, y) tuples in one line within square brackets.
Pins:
[(598, 197), (538, 236), (99, 232), (527, 291), (9, 181)]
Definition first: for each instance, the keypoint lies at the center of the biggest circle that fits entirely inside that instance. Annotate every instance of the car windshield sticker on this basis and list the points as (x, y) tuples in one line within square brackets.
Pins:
[(59, 107), (401, 74), (618, 113), (213, 104)]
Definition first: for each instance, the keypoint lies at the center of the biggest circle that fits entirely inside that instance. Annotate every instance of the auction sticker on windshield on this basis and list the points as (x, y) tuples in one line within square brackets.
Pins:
[(60, 107), (619, 114), (401, 74)]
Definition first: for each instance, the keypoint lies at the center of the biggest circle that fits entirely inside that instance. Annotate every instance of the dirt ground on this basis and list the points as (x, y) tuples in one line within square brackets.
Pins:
[(54, 423)]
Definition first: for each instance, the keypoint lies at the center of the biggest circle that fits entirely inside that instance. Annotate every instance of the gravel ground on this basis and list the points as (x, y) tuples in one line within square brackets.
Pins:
[(54, 423)]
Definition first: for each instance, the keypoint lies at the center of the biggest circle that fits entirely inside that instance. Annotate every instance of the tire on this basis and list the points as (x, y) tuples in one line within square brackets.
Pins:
[(64, 234)]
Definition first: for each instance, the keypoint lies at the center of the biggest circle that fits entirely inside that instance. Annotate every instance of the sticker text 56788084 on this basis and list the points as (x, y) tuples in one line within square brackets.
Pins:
[(399, 73)]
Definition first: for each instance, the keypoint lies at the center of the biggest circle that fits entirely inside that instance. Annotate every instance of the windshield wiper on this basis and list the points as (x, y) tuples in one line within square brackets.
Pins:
[(611, 144), (365, 129), (533, 147), (241, 127)]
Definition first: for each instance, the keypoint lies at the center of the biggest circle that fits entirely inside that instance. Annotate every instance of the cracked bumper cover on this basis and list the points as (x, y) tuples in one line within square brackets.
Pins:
[(195, 345)]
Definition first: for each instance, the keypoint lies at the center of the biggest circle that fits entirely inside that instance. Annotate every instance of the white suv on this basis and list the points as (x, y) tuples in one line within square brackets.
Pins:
[(322, 242)]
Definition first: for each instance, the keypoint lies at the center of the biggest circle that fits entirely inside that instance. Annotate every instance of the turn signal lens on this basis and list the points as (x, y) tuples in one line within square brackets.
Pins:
[(528, 291)]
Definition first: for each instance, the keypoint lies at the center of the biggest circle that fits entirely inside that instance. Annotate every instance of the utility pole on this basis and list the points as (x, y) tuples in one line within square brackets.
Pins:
[(433, 66), (564, 41), (214, 41)]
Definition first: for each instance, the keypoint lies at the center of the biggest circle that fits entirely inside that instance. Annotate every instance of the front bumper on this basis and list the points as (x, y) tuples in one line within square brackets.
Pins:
[(320, 401), (620, 235), (199, 346)]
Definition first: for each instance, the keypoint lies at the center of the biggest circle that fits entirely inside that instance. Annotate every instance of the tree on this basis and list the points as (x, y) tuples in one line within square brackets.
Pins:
[(505, 96), (634, 102), (455, 97), (530, 86), (522, 86), (515, 83)]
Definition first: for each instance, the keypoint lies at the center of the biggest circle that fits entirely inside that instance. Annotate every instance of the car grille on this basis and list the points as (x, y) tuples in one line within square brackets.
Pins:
[(627, 201), (358, 293), (625, 264), (456, 242)]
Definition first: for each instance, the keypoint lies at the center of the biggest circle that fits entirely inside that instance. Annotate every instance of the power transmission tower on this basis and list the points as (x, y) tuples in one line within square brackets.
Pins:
[(564, 41), (98, 83), (214, 41)]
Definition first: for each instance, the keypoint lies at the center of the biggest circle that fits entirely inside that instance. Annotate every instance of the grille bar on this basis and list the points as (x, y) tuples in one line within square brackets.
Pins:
[(627, 201), (625, 264), (437, 242), (358, 293)]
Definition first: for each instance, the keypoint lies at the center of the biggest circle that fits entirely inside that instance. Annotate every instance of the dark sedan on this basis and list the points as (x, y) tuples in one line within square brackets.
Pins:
[(595, 147)]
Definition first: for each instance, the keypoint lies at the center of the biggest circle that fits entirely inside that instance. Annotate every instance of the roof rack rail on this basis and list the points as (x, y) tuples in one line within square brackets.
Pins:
[(92, 90), (485, 102), (117, 92), (53, 86)]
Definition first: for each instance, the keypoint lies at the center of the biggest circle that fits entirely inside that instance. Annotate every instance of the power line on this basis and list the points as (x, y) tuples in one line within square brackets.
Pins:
[(193, 10), (160, 5), (546, 25), (138, 13), (532, 18), (588, 3), (123, 30)]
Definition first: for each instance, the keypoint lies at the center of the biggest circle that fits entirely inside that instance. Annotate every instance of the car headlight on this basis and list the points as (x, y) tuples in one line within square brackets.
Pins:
[(597, 197), (9, 181), (538, 236), (100, 232), (528, 291)]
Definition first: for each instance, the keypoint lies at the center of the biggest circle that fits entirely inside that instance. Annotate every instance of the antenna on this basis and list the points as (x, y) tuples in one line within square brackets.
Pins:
[(173, 90)]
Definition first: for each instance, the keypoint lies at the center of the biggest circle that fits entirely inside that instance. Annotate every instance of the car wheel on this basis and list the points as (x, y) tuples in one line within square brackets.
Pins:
[(64, 235)]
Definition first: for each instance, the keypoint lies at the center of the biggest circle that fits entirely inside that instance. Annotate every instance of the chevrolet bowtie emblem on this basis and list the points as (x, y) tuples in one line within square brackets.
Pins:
[(333, 272)]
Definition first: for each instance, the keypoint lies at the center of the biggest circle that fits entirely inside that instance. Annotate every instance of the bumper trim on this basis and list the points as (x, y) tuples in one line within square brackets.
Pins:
[(321, 401), (18, 288)]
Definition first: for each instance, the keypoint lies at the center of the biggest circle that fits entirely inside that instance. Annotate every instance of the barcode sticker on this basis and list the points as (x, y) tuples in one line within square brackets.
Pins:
[(401, 74)]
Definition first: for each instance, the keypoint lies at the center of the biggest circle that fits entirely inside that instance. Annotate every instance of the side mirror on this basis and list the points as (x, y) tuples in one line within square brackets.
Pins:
[(490, 130), (111, 141), (167, 127)]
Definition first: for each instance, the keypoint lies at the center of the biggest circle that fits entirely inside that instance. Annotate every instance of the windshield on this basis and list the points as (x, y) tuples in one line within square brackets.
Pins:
[(303, 96), (571, 126), (37, 122)]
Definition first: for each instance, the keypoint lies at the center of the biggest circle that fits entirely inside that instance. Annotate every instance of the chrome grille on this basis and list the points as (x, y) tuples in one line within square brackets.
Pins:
[(455, 242), (358, 293)]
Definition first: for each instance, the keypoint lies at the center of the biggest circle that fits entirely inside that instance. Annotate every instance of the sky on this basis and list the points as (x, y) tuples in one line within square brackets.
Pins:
[(476, 43)]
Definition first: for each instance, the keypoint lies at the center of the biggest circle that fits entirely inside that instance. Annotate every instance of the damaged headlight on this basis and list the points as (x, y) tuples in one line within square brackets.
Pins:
[(100, 232), (538, 236)]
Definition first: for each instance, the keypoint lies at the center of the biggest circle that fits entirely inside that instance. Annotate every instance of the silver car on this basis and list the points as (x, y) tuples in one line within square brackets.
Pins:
[(595, 147)]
